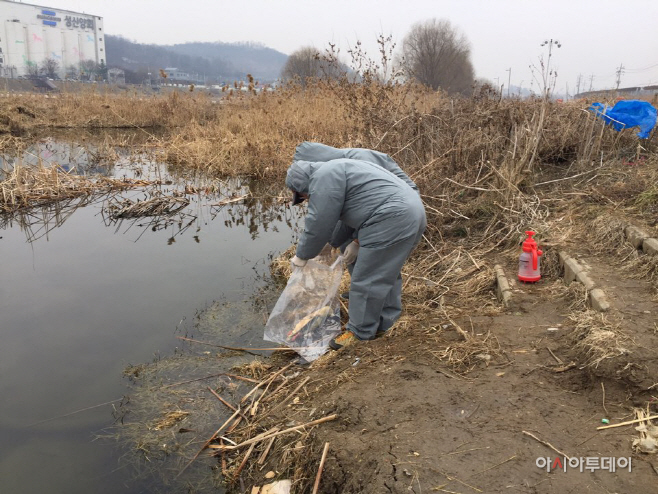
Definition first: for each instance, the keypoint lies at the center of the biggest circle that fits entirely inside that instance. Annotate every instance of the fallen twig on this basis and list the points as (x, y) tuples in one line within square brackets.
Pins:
[(207, 443), (291, 429), (603, 389), (263, 456), (547, 444), (225, 402), (238, 349), (564, 368), (494, 466), (628, 422), (557, 359), (266, 381), (224, 202), (317, 477), (244, 462), (241, 378), (290, 395)]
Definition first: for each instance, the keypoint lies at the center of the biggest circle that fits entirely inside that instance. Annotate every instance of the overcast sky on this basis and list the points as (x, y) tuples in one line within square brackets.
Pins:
[(597, 36)]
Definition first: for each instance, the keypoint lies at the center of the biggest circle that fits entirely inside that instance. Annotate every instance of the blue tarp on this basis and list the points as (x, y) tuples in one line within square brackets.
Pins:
[(628, 113)]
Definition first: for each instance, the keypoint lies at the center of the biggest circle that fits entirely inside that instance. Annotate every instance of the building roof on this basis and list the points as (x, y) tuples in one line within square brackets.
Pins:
[(51, 8)]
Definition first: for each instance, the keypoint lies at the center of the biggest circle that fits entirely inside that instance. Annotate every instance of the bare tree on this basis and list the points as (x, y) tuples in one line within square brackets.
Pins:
[(88, 69), (32, 69), (438, 55), (72, 72), (50, 68), (306, 64)]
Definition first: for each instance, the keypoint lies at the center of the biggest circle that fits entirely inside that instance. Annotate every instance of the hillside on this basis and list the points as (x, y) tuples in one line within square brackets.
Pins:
[(218, 62), (244, 58)]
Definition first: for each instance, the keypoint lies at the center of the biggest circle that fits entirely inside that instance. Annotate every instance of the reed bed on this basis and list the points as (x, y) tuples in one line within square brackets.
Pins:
[(26, 187), (488, 169)]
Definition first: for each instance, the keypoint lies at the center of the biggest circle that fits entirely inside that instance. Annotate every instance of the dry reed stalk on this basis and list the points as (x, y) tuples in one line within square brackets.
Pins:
[(237, 349), (275, 434), (266, 381), (316, 485), (266, 451), (547, 444), (207, 443), (628, 422)]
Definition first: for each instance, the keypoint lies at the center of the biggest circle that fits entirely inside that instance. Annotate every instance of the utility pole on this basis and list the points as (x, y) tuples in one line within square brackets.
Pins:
[(620, 71), (509, 79)]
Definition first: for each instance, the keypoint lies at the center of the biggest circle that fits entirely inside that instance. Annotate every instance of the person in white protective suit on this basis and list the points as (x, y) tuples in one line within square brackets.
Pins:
[(357, 202)]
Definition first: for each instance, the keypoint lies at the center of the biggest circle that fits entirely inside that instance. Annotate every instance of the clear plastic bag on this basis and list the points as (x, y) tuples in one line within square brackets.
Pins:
[(307, 315)]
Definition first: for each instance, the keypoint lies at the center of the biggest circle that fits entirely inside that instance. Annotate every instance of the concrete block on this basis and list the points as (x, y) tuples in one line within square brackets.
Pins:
[(598, 300), (635, 236), (650, 246), (503, 291), (571, 269), (563, 256), (582, 277)]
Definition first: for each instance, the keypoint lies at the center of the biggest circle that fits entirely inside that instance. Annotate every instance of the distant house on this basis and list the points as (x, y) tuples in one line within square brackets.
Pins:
[(116, 76), (175, 76)]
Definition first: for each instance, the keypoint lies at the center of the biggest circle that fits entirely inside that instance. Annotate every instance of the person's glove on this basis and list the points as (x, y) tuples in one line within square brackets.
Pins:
[(296, 262), (351, 251)]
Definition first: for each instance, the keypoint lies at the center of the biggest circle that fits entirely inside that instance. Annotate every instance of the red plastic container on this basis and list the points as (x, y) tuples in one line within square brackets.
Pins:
[(529, 269)]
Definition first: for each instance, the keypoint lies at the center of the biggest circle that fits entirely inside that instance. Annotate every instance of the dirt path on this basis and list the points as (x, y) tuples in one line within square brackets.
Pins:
[(408, 423)]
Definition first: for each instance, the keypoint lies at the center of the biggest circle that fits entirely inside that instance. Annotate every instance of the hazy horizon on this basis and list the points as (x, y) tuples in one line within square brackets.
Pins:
[(596, 37)]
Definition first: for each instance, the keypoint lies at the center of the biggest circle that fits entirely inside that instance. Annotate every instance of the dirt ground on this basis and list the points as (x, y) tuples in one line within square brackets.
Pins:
[(410, 422)]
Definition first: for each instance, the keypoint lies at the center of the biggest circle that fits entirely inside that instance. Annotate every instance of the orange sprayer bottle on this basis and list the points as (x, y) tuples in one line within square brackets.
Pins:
[(529, 260)]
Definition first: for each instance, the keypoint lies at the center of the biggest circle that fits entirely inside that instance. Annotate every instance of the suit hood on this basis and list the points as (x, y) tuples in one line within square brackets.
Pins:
[(299, 176)]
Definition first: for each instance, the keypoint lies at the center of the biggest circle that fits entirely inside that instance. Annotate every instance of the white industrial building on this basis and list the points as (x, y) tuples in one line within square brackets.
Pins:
[(31, 35)]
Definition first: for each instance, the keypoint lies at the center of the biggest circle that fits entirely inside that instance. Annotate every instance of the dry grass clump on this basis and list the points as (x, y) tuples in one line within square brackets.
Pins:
[(157, 206), (255, 369), (280, 265), (463, 356), (596, 338), (433, 274), (609, 233), (643, 266)]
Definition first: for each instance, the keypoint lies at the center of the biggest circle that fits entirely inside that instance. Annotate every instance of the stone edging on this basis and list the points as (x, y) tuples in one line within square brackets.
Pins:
[(503, 290), (639, 239), (573, 271)]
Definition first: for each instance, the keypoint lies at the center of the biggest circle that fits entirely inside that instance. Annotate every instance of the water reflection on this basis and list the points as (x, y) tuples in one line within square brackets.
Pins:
[(37, 222), (81, 159), (172, 411), (94, 293), (163, 198)]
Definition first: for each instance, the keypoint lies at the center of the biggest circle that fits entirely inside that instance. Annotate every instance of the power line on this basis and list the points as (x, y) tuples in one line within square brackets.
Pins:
[(643, 69)]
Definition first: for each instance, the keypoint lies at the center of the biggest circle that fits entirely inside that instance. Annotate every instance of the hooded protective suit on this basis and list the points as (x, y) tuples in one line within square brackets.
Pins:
[(315, 151), (388, 218)]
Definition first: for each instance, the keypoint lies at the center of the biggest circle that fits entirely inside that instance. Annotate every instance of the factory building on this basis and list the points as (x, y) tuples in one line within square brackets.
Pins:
[(33, 37)]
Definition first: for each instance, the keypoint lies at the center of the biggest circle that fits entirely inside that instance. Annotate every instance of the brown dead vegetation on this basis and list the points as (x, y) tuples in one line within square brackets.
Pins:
[(488, 169)]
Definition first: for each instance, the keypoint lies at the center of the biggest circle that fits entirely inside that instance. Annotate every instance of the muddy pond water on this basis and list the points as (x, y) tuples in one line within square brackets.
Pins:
[(83, 296)]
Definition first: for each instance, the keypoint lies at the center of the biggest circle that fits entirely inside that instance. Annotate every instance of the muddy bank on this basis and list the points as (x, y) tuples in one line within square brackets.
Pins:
[(407, 421)]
